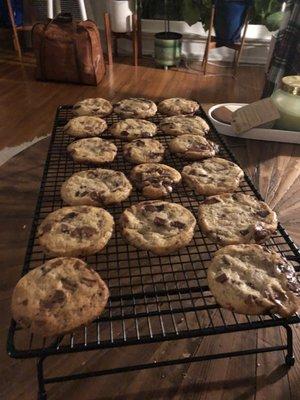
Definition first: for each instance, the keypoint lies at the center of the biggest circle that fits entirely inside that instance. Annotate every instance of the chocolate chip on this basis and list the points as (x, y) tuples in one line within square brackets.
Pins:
[(211, 200), (222, 278), (244, 232), (250, 299), (88, 282), (124, 133), (69, 216), (65, 228), (139, 143), (263, 213), (260, 233), (96, 196), (56, 263), (152, 154), (68, 284), (147, 134), (78, 193), (178, 224), (83, 232), (46, 228), (160, 221), (58, 297), (25, 302)]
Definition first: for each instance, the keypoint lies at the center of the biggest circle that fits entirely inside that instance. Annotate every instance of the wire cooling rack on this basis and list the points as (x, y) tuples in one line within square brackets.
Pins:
[(153, 298)]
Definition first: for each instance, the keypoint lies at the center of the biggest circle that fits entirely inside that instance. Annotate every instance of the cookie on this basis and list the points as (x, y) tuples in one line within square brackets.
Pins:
[(92, 150), (192, 147), (96, 187), (236, 218), (143, 151), (135, 108), (85, 127), (177, 106), (182, 125), (75, 231), (155, 180), (58, 297), (95, 106), (250, 279), (212, 176), (131, 129), (157, 226)]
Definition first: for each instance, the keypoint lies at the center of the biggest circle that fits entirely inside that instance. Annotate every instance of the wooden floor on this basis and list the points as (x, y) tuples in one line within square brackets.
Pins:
[(27, 109), (27, 106)]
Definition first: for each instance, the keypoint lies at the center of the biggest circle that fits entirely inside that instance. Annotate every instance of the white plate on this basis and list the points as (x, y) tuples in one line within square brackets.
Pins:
[(273, 135)]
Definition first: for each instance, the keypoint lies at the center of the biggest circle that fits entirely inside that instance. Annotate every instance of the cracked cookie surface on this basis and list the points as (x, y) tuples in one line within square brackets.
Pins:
[(131, 129), (158, 226), (155, 180), (250, 279), (93, 106), (177, 106), (141, 151), (212, 176), (193, 147), (236, 218), (92, 150), (81, 127), (183, 125), (135, 107), (75, 231), (96, 187), (58, 297)]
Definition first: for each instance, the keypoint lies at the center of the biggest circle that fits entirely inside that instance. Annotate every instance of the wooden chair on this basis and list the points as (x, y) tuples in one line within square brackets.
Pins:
[(112, 38), (212, 44), (28, 27)]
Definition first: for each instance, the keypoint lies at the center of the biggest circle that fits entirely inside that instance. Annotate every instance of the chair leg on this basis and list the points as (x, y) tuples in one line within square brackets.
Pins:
[(205, 58), (108, 38), (16, 41), (135, 46), (239, 51)]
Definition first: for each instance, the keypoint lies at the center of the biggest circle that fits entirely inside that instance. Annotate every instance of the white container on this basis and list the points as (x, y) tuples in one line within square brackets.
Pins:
[(273, 135), (120, 12)]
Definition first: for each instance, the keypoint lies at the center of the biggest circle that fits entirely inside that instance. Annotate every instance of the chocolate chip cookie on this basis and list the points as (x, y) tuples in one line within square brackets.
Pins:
[(96, 187), (75, 231), (155, 180), (182, 125), (236, 218), (131, 129), (212, 176), (135, 108), (157, 226), (85, 127), (177, 106), (92, 150), (95, 106), (249, 279), (141, 151), (58, 297), (192, 147)]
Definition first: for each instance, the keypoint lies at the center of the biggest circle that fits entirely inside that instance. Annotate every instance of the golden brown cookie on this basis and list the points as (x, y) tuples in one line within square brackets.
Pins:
[(249, 279), (58, 297), (158, 226), (233, 218)]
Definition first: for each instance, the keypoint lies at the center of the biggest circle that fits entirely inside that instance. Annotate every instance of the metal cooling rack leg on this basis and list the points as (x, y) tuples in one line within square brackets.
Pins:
[(42, 395), (289, 358)]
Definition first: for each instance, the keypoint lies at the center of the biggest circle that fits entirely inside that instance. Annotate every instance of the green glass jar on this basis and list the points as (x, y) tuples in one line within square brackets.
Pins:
[(167, 48), (287, 101)]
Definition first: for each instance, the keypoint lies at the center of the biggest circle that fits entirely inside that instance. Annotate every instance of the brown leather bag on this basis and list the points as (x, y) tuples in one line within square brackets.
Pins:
[(68, 51)]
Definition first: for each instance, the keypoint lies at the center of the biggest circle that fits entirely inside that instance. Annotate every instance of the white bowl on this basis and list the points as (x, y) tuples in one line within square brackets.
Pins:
[(273, 135)]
